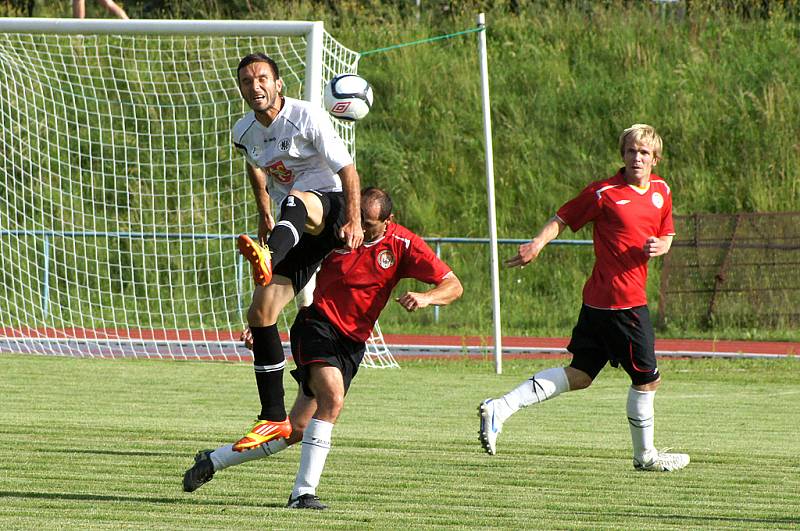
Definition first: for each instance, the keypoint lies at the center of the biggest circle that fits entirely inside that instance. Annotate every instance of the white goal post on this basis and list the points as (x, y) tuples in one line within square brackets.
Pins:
[(121, 193)]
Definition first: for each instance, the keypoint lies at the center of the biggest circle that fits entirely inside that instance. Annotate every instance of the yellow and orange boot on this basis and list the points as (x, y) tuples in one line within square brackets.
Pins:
[(263, 431), (259, 257)]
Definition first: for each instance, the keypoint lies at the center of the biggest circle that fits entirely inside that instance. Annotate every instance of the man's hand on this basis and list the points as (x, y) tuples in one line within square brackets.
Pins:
[(526, 253), (352, 234), (247, 337), (657, 246), (265, 226), (413, 301)]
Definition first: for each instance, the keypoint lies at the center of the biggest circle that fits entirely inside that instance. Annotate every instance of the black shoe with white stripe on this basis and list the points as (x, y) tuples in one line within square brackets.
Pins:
[(201, 472), (306, 501)]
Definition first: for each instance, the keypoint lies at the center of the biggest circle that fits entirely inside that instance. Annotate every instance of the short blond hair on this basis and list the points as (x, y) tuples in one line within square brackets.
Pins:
[(641, 134)]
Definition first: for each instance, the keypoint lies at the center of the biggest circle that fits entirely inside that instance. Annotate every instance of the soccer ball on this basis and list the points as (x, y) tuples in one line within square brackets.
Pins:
[(348, 97)]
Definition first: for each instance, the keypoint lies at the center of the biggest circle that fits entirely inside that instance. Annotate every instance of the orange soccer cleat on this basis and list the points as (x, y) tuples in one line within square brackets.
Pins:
[(263, 431), (259, 257)]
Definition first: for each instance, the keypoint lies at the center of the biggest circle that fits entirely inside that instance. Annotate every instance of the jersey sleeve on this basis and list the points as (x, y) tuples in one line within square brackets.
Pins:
[(328, 142), (582, 209), (421, 263), (243, 151), (238, 135), (667, 225)]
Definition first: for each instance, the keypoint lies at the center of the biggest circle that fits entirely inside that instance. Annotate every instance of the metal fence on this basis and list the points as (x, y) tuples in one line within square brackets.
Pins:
[(733, 270)]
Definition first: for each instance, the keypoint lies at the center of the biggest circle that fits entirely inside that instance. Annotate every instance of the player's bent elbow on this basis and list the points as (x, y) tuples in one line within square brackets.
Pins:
[(459, 290), (456, 286)]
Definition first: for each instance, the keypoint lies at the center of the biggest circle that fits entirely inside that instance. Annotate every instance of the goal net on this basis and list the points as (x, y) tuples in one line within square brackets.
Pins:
[(121, 193)]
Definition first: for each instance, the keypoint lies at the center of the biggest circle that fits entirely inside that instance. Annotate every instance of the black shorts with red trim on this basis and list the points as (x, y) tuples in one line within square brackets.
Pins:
[(314, 339), (621, 337), (303, 259)]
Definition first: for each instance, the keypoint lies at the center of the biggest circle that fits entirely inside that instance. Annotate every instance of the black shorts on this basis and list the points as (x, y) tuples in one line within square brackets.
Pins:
[(315, 340), (303, 259), (622, 337)]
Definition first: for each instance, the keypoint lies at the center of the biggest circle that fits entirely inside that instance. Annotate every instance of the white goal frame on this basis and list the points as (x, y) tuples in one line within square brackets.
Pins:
[(221, 341)]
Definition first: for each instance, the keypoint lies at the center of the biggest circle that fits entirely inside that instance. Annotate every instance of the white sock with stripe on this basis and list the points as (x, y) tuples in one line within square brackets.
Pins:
[(225, 456), (641, 419), (314, 452), (542, 386)]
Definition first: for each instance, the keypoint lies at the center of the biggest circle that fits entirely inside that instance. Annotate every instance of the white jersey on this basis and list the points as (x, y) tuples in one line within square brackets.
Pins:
[(299, 150)]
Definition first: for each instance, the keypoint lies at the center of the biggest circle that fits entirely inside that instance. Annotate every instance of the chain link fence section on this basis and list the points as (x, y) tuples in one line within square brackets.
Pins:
[(737, 270)]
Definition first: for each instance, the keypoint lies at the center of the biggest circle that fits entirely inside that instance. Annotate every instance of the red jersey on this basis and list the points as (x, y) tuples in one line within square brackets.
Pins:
[(624, 217), (353, 286)]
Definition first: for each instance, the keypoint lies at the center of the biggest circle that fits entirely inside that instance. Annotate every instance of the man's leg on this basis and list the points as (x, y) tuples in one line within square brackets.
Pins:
[(542, 386), (641, 414), (633, 334), (327, 384), (300, 212), (268, 363), (641, 419), (208, 462)]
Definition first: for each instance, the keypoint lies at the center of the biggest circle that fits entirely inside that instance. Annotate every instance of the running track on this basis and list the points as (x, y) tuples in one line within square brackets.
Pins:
[(401, 345), (225, 345)]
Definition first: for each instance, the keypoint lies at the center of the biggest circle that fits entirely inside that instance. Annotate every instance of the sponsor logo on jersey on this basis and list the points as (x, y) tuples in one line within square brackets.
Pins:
[(385, 259), (280, 172), (658, 200), (623, 201), (284, 144)]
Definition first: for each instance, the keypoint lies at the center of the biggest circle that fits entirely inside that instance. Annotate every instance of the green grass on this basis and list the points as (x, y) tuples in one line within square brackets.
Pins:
[(103, 444)]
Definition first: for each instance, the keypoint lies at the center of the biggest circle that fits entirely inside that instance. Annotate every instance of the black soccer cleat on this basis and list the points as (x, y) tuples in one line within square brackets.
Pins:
[(306, 501), (201, 472)]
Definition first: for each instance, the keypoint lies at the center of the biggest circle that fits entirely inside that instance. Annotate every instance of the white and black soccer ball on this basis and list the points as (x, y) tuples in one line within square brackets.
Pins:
[(348, 97)]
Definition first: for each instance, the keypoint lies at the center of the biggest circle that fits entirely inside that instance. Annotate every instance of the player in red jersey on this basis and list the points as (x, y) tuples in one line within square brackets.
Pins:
[(632, 217), (328, 339)]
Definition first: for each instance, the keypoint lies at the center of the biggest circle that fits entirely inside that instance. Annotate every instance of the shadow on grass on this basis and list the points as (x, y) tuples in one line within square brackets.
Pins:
[(187, 498), (699, 520), (106, 452)]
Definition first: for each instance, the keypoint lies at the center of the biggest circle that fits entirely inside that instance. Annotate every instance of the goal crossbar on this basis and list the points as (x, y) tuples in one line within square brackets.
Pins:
[(65, 26), (121, 186)]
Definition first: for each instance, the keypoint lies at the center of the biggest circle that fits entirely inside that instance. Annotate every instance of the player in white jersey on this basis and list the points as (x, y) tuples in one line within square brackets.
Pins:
[(296, 158), (297, 151)]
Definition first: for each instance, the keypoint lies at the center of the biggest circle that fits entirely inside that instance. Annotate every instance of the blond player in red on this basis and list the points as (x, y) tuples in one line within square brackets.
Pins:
[(328, 339), (631, 214)]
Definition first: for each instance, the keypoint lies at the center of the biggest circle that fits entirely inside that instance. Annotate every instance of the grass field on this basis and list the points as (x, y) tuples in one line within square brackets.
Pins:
[(103, 444)]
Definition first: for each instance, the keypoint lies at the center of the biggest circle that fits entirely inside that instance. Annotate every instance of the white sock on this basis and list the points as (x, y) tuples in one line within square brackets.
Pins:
[(641, 415), (541, 386), (314, 451), (225, 456)]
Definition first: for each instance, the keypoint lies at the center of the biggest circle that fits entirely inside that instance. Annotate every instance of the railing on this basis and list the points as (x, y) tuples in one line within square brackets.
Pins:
[(47, 235)]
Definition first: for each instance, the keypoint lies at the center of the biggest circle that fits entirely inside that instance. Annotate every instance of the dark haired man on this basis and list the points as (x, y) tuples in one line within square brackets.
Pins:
[(296, 158)]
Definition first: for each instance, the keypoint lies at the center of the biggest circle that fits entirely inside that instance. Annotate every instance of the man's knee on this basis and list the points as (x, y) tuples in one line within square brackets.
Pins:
[(269, 301), (315, 213), (328, 387), (577, 379), (332, 402), (299, 426), (651, 386)]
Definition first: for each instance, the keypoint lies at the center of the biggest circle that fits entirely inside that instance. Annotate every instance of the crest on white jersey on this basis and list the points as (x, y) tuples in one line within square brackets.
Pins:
[(658, 200), (284, 144), (385, 259)]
